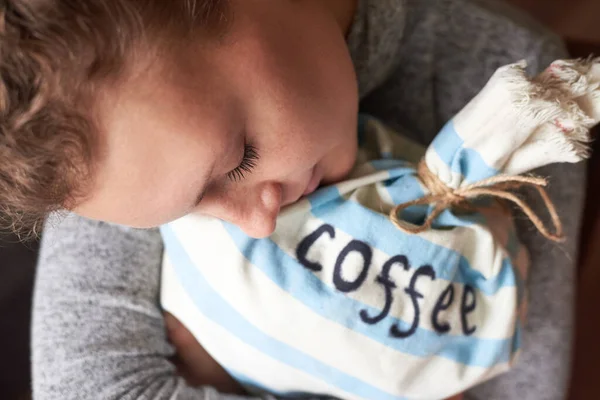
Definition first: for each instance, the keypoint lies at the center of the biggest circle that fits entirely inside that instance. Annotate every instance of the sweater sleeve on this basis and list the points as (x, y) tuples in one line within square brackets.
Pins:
[(98, 331)]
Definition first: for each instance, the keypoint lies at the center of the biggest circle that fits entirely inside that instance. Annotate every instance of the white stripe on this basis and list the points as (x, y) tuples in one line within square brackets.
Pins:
[(490, 124), (494, 315), (440, 169), (260, 300), (484, 247), (228, 350)]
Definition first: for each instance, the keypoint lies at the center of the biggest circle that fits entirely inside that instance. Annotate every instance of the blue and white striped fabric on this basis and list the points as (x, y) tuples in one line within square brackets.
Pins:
[(340, 302)]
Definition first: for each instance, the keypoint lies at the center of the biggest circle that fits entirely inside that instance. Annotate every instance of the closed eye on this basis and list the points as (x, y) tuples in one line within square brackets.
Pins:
[(248, 163)]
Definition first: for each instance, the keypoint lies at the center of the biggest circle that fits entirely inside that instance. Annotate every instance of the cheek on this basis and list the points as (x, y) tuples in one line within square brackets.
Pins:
[(303, 115), (299, 94), (144, 202), (339, 161), (148, 181), (299, 78)]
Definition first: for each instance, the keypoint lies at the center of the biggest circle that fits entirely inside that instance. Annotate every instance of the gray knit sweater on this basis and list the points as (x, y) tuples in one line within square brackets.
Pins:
[(98, 331)]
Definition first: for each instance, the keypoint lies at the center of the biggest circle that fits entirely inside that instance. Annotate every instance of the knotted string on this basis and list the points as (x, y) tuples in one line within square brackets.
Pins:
[(501, 186)]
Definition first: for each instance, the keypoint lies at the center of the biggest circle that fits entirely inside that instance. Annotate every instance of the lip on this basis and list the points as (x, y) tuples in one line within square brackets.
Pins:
[(313, 183)]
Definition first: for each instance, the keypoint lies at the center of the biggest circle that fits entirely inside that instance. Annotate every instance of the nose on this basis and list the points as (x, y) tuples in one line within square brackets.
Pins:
[(257, 213)]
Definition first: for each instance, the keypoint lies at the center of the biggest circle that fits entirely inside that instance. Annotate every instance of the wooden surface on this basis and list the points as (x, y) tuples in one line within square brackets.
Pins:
[(576, 19), (585, 382)]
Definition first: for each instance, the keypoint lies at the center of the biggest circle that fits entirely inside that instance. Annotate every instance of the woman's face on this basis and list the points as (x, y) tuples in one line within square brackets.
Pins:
[(235, 129)]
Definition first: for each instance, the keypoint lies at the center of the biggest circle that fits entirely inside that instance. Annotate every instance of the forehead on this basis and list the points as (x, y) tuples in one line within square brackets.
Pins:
[(158, 137)]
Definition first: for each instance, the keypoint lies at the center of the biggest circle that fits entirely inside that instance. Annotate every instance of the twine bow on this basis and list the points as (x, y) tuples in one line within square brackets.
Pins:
[(500, 187)]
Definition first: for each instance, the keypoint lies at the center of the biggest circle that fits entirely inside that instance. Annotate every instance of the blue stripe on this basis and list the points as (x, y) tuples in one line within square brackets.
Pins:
[(214, 307), (404, 190), (402, 187), (447, 219), (303, 285), (450, 148), (376, 230), (356, 220), (379, 232), (407, 188), (396, 167)]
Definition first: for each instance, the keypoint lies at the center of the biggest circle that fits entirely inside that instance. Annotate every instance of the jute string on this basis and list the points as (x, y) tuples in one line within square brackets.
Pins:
[(501, 187)]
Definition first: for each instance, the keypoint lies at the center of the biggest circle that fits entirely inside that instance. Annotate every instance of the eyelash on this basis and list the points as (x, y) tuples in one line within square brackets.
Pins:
[(248, 163)]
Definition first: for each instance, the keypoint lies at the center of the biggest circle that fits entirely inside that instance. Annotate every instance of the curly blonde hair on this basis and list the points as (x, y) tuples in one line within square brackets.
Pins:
[(53, 55)]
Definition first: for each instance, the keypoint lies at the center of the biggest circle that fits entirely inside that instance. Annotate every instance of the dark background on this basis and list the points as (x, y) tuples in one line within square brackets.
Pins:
[(17, 262), (578, 21)]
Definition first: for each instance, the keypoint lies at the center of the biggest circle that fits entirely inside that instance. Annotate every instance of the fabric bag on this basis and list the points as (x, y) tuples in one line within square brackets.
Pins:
[(404, 281)]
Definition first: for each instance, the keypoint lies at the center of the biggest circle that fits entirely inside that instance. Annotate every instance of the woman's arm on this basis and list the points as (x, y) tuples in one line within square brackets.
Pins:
[(98, 331)]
